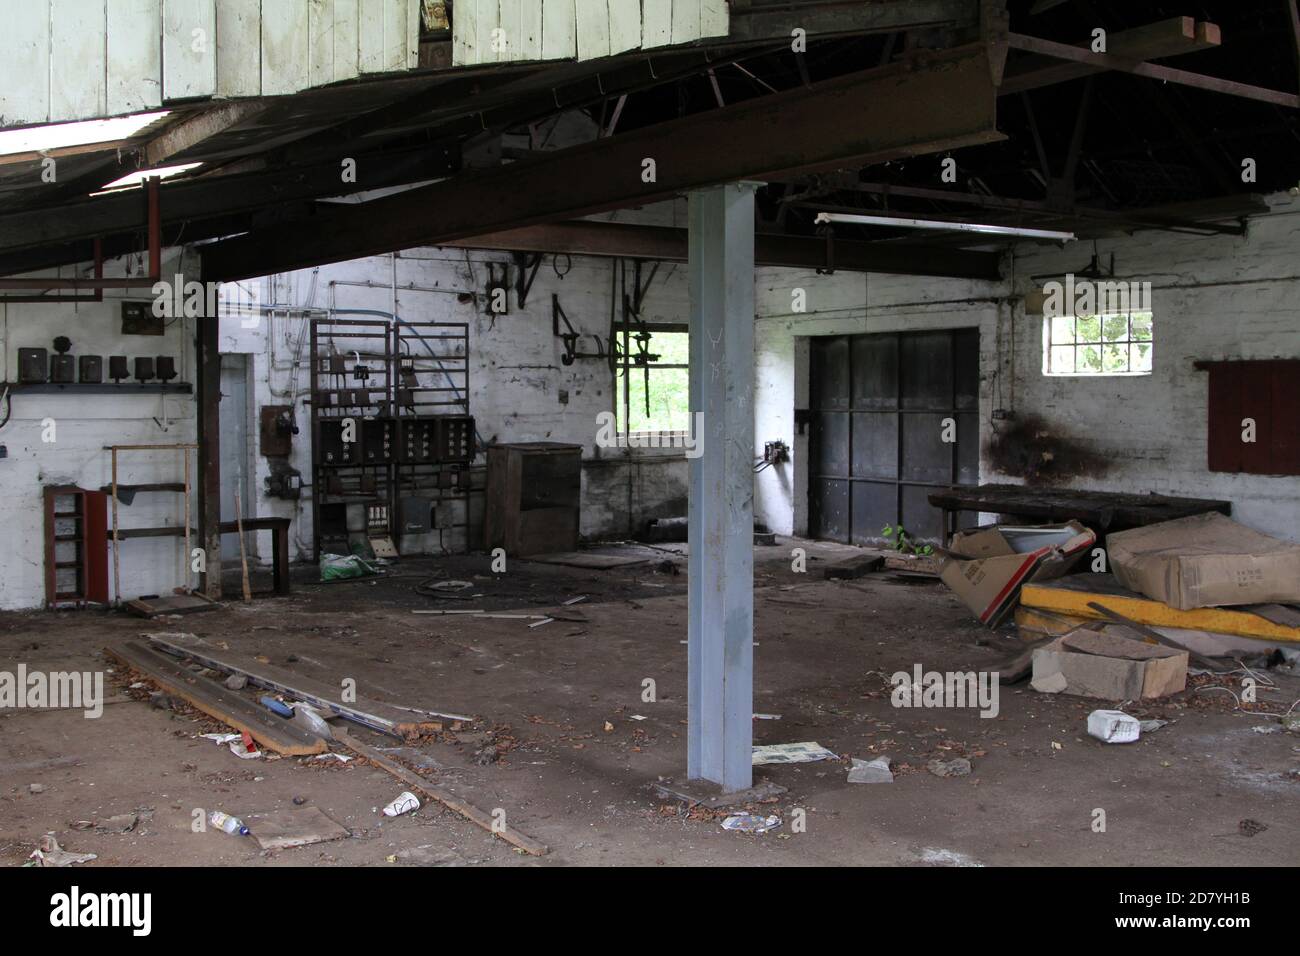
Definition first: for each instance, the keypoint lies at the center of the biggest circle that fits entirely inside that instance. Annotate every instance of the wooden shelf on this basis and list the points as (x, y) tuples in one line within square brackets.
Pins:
[(168, 532), (104, 388)]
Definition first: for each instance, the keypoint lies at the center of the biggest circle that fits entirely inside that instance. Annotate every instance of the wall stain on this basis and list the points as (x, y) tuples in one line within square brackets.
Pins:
[(1034, 449)]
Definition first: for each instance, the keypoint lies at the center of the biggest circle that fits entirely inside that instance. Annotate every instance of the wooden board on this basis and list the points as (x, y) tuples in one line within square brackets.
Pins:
[(656, 24), (301, 826), (77, 59), (445, 797), (239, 48), (559, 39), (85, 59), (370, 713), (217, 701), (624, 25), (171, 604), (592, 29), (854, 567), (1073, 594), (286, 60), (189, 49), (134, 57), (1102, 510), (25, 52), (587, 559)]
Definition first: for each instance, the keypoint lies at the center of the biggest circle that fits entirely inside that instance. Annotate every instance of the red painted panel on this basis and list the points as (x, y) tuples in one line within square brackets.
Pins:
[(1267, 391)]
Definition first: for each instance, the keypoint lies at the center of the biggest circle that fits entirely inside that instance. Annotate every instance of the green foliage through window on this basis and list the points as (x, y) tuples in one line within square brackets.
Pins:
[(664, 378), (1098, 344)]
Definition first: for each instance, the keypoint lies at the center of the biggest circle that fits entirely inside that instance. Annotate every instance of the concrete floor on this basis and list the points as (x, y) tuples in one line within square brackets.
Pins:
[(545, 696)]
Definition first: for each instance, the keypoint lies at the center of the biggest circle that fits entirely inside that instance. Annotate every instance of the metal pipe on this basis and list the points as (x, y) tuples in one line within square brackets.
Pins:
[(943, 225), (98, 283)]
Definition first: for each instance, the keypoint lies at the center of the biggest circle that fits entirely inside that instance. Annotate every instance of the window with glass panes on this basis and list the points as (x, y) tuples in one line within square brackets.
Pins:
[(1116, 344)]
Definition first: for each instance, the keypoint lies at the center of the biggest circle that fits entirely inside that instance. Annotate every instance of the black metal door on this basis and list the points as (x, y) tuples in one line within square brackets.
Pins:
[(879, 407)]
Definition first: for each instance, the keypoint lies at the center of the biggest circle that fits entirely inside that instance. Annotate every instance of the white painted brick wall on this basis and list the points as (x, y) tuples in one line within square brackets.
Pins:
[(83, 425)]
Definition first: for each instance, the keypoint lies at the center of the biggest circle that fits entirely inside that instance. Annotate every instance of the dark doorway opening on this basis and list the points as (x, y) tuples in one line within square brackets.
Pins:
[(882, 406)]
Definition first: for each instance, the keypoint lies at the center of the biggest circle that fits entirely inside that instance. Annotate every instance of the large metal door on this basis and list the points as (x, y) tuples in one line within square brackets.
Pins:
[(879, 405)]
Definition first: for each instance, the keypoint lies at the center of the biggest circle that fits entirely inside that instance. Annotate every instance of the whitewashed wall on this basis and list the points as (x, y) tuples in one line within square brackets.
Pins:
[(81, 59), (519, 389), (83, 425)]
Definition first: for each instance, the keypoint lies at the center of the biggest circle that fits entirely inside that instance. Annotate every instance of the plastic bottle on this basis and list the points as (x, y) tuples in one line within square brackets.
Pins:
[(227, 824)]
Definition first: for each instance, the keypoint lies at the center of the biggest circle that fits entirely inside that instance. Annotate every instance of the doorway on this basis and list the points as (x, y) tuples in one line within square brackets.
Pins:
[(236, 461), (893, 416)]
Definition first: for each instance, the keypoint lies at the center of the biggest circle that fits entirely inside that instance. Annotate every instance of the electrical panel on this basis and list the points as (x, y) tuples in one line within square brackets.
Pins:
[(33, 366), (455, 438), (333, 449), (377, 440), (63, 369), (416, 515), (418, 441), (91, 369)]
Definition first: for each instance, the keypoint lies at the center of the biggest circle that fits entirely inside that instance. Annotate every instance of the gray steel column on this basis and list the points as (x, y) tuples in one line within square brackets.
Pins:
[(720, 654)]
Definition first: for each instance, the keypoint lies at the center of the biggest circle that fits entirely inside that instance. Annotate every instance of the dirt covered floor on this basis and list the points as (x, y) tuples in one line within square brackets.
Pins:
[(557, 749)]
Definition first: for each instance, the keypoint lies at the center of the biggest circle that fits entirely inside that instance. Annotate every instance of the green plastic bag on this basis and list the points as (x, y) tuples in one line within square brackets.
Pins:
[(336, 567)]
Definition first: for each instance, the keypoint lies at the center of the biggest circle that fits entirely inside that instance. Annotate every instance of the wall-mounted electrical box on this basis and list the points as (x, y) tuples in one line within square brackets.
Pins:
[(33, 366)]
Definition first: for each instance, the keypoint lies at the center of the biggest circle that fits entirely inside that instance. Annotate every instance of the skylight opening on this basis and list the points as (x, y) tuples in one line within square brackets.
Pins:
[(61, 135), (140, 175)]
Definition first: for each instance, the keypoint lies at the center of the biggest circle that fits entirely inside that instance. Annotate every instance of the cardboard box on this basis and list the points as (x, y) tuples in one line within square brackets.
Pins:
[(1111, 663), (987, 567), (1205, 561)]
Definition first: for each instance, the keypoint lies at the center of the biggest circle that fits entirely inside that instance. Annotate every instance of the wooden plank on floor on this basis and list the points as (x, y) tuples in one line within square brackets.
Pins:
[(171, 604), (374, 714), (445, 797), (585, 559), (855, 567), (299, 826), (559, 37), (217, 701), (1074, 594)]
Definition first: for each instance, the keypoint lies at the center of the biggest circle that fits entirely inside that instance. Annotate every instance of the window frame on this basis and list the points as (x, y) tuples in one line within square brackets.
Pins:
[(623, 382), (1126, 340)]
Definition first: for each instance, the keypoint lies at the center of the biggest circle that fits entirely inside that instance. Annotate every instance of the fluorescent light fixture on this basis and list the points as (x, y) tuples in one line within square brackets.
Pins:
[(59, 135), (140, 175), (939, 224)]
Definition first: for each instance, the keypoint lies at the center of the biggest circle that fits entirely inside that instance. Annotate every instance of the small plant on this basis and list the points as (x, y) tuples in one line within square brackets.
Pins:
[(903, 542)]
